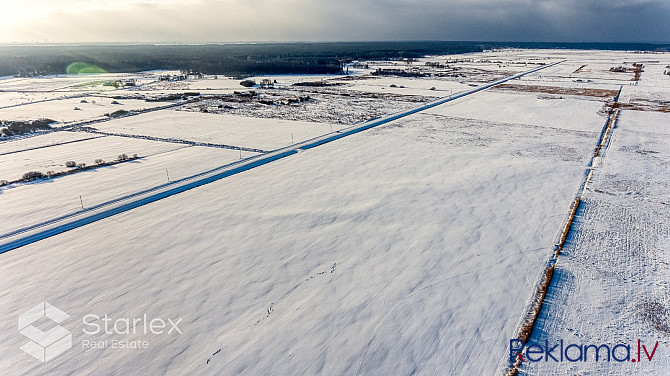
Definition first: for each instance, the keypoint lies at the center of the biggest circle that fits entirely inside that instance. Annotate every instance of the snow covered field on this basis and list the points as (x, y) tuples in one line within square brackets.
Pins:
[(86, 151), (430, 218), (266, 134), (414, 247), (75, 109), (611, 284), (14, 98), (42, 141), (405, 86), (107, 183), (581, 114)]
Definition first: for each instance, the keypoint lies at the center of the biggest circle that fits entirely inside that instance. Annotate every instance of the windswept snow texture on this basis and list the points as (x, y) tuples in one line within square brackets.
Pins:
[(612, 283), (265, 134), (104, 184), (411, 248)]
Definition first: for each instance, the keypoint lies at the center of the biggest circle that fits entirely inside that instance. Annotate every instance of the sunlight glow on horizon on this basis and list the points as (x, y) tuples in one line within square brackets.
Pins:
[(19, 17), (16, 12)]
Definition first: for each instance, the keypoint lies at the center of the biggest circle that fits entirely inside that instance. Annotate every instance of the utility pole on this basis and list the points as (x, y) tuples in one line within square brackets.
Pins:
[(81, 202), (240, 153), (291, 137), (167, 174)]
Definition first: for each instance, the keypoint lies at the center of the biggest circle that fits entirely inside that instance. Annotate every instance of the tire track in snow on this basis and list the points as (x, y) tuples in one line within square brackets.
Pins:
[(54, 227)]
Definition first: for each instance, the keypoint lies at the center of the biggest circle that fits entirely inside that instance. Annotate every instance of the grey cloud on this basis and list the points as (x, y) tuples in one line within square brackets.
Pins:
[(315, 20)]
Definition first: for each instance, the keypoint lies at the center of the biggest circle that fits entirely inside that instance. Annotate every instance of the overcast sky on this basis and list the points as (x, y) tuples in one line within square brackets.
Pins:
[(198, 21)]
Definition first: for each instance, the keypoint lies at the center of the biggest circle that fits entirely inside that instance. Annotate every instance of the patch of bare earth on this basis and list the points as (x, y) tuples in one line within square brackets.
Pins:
[(578, 70), (659, 106), (655, 314), (598, 93), (636, 70)]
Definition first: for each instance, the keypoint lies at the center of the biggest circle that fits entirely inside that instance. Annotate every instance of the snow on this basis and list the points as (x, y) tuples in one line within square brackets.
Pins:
[(42, 140), (410, 248), (259, 133), (410, 86), (17, 98), (19, 209), (53, 83), (64, 110), (87, 151), (414, 228), (612, 280), (528, 108)]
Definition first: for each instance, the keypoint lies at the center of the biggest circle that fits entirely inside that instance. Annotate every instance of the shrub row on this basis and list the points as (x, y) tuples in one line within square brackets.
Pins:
[(76, 167)]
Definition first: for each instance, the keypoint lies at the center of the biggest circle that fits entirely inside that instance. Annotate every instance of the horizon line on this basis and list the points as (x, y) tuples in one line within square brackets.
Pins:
[(176, 43)]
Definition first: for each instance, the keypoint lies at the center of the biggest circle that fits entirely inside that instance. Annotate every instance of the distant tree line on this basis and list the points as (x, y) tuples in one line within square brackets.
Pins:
[(225, 59), (252, 59)]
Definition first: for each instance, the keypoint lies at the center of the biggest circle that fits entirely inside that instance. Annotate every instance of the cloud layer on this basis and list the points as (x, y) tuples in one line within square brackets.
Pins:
[(198, 21)]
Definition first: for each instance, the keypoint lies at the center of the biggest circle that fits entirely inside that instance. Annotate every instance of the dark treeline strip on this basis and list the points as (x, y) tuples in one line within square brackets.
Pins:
[(250, 59), (226, 59)]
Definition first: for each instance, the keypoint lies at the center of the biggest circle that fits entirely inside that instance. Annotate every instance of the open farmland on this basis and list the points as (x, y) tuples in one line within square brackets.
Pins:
[(86, 151), (81, 108), (612, 282), (296, 228)]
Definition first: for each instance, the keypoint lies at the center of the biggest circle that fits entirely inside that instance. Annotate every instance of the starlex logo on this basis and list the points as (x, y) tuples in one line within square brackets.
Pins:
[(45, 346), (558, 352)]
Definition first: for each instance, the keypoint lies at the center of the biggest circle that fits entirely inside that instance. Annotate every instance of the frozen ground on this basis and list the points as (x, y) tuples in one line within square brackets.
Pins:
[(330, 106), (611, 284), (75, 109), (86, 151), (413, 241), (411, 248), (259, 133), (106, 183)]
